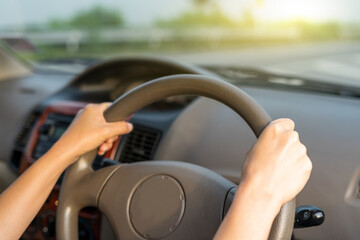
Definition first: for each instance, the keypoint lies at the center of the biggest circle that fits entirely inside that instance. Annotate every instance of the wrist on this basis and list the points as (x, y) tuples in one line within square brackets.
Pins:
[(65, 155), (250, 216), (267, 202)]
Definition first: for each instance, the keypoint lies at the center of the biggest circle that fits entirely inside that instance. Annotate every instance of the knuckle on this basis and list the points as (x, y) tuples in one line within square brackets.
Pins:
[(308, 166), (274, 127), (294, 136), (89, 106), (303, 149), (278, 127), (106, 131), (283, 124), (106, 104), (289, 121)]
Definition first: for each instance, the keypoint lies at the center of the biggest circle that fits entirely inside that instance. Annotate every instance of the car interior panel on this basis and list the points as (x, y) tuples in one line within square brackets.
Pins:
[(195, 114)]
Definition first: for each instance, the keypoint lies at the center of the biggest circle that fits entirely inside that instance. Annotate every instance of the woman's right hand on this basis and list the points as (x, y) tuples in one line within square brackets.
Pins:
[(277, 167), (275, 170)]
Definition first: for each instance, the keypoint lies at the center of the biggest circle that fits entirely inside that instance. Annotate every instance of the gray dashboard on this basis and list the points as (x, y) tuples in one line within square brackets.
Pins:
[(18, 97)]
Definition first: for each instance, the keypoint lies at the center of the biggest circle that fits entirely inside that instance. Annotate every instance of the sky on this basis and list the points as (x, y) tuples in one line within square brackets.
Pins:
[(144, 12)]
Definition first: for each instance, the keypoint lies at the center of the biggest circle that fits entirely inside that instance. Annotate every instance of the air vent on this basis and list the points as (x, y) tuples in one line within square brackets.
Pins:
[(24, 133), (22, 139), (139, 145)]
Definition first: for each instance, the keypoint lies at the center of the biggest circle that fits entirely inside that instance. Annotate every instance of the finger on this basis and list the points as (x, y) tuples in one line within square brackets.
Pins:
[(112, 139), (105, 147), (78, 114), (105, 105), (100, 152), (120, 128), (308, 165), (287, 123)]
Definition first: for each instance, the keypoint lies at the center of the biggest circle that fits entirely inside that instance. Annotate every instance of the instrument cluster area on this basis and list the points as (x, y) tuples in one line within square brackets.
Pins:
[(48, 128)]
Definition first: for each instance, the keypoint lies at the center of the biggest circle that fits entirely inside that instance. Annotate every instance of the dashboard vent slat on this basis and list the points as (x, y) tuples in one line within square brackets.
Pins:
[(21, 140), (139, 145)]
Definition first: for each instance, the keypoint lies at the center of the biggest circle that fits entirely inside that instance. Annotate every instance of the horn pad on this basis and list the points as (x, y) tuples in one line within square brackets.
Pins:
[(157, 206)]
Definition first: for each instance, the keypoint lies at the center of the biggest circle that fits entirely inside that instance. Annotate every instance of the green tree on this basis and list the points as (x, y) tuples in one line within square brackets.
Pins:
[(93, 18), (196, 18), (97, 17), (58, 24), (205, 13)]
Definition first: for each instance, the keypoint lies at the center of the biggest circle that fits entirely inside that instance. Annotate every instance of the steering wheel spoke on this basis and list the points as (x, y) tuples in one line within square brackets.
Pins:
[(85, 186)]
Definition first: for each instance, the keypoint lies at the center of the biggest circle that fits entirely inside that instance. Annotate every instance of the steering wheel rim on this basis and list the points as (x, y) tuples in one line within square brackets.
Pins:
[(82, 186)]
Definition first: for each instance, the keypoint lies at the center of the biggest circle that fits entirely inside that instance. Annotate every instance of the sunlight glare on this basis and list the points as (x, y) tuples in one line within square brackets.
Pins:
[(288, 10)]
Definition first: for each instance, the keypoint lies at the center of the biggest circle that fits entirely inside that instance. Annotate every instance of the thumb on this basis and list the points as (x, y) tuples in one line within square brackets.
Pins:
[(286, 123), (105, 105), (120, 128)]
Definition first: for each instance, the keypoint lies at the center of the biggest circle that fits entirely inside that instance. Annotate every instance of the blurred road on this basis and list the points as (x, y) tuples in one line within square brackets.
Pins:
[(336, 61)]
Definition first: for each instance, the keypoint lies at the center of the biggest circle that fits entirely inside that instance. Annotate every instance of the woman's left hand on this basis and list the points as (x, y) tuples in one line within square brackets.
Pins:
[(89, 130)]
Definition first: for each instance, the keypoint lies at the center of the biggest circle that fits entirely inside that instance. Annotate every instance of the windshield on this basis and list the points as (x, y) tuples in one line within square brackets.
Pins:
[(311, 38)]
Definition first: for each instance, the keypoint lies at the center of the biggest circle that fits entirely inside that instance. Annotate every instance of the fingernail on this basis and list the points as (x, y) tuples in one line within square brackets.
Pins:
[(129, 127)]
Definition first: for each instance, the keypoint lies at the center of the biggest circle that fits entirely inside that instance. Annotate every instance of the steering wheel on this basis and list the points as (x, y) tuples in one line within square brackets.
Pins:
[(161, 199)]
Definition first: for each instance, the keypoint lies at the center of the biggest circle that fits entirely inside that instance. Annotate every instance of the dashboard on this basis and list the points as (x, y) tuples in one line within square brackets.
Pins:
[(48, 120), (182, 128)]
